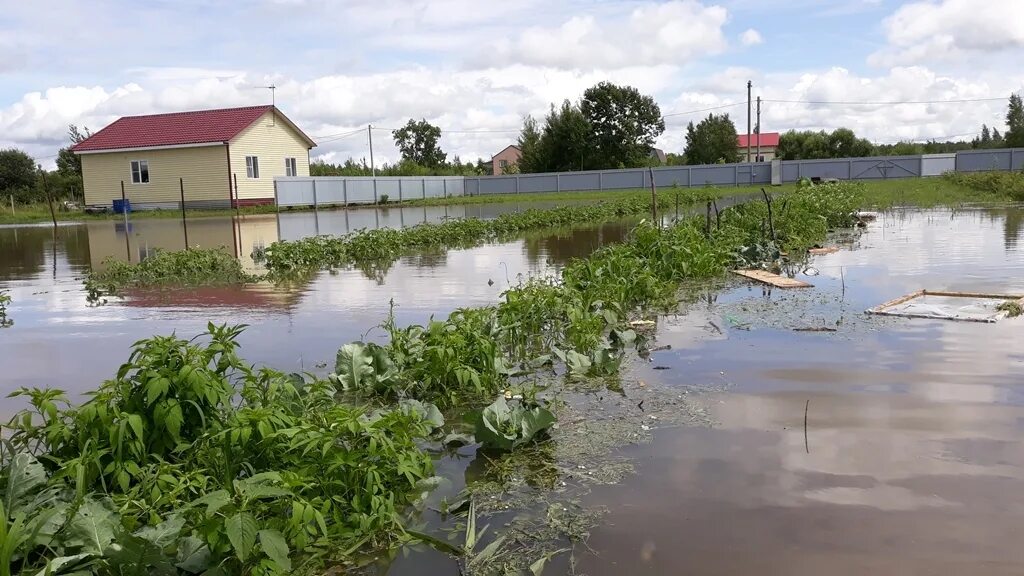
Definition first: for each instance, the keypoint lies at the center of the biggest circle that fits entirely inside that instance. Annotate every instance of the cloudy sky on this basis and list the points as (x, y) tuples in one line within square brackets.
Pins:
[(475, 68)]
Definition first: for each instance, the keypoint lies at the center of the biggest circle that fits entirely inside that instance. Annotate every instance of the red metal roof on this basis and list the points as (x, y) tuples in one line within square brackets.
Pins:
[(174, 129), (767, 139)]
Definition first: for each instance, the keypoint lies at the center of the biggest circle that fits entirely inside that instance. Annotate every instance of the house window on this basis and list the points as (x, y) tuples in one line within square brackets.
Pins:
[(289, 167), (252, 166), (140, 172), (503, 163)]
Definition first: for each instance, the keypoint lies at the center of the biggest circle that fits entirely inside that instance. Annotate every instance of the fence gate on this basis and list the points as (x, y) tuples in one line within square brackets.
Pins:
[(744, 174)]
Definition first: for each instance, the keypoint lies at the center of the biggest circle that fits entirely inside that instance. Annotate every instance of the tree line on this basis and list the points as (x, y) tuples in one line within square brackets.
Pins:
[(22, 179), (611, 126), (614, 126)]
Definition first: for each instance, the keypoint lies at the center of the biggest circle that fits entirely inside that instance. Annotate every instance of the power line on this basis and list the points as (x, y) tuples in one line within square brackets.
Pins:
[(338, 135), (701, 110), (882, 102)]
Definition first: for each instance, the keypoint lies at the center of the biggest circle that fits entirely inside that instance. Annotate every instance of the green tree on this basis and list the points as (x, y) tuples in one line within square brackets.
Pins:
[(418, 143), (843, 143), (624, 122), (566, 141), (711, 141), (1014, 136), (17, 175), (530, 147), (69, 163)]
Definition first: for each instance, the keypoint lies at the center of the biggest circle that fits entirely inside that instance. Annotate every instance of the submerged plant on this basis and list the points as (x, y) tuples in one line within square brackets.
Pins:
[(511, 422), (5, 300), (193, 267), (191, 460), (1011, 307)]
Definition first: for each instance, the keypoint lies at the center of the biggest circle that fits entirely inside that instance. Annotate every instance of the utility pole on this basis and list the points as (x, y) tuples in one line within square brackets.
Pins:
[(757, 129), (369, 134), (373, 168), (749, 86)]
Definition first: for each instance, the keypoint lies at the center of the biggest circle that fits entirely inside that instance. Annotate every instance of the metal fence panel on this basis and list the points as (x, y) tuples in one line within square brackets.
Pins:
[(301, 191), (538, 183), (674, 176), (937, 164), (988, 160)]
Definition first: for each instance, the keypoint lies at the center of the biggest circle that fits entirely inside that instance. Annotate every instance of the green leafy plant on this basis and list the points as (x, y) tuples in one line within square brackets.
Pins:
[(505, 426), (5, 301)]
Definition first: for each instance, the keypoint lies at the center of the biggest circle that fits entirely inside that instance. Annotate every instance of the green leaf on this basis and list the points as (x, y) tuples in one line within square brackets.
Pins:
[(437, 543), (193, 555), (354, 366), (174, 419), (425, 410), (163, 534), (213, 501), (488, 551), (505, 427), (276, 548), (156, 388), (25, 476), (92, 528), (241, 529), (67, 565)]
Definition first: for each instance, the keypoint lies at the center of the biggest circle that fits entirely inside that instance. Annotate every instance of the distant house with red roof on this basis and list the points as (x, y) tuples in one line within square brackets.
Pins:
[(220, 158), (769, 142)]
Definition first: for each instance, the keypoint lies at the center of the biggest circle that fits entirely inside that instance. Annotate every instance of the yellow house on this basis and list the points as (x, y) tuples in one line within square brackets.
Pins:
[(206, 158)]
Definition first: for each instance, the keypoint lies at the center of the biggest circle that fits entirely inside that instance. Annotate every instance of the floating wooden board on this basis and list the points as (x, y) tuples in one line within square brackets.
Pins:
[(884, 309), (772, 279), (826, 250)]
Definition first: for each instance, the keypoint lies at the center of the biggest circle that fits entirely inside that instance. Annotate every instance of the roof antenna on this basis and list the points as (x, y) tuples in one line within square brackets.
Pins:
[(273, 101)]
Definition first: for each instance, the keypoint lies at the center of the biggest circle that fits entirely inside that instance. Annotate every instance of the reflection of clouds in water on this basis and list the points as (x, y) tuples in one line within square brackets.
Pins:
[(886, 440)]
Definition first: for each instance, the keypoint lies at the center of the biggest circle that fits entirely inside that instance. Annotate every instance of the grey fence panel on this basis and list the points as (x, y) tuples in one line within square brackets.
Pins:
[(937, 164), (330, 191), (580, 181), (539, 183), (672, 176), (294, 192), (720, 175), (497, 185), (988, 160), (622, 179)]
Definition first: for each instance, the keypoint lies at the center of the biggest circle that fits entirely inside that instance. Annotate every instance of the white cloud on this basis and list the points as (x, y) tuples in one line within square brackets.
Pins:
[(951, 30), (751, 37), (667, 33)]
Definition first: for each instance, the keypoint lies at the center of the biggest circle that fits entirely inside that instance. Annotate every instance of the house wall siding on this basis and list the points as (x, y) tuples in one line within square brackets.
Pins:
[(204, 170), (270, 141), (511, 155)]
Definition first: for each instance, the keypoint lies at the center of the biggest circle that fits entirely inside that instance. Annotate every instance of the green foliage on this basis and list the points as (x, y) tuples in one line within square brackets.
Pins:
[(624, 125), (531, 156), (566, 142), (191, 460), (1015, 122), (5, 301), (193, 267), (418, 143), (808, 145), (711, 141), (505, 426), (17, 175), (1011, 307), (1001, 185), (382, 246)]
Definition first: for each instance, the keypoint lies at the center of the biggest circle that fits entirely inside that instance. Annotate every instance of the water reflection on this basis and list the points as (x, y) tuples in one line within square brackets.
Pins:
[(912, 460)]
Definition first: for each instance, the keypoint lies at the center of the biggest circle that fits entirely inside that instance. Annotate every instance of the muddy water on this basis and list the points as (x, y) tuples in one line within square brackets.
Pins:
[(912, 461), (59, 341)]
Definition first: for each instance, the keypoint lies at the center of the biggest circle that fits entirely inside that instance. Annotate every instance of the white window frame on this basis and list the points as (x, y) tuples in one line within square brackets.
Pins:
[(252, 167), (135, 167), (290, 167)]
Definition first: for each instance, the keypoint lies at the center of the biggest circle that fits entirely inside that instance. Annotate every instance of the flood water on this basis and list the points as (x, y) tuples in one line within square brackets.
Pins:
[(911, 464), (59, 341), (913, 461)]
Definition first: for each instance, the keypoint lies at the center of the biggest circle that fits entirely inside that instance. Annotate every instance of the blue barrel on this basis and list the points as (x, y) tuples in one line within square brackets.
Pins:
[(122, 206)]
